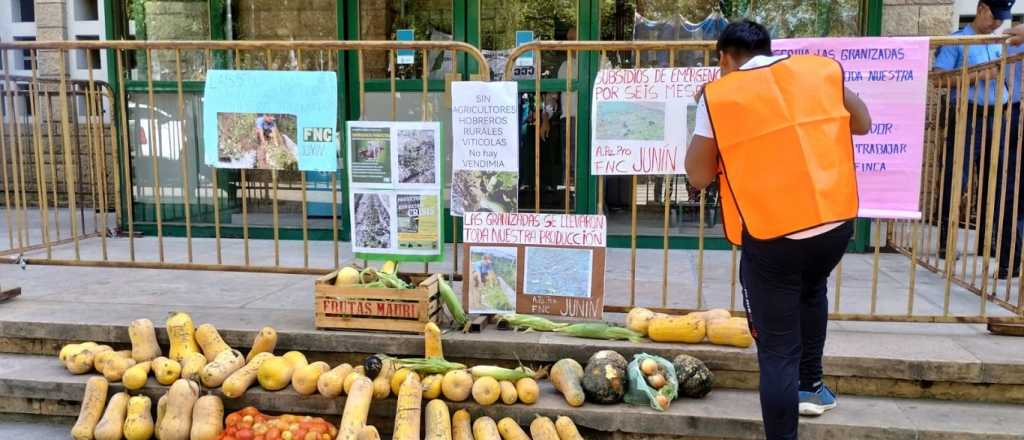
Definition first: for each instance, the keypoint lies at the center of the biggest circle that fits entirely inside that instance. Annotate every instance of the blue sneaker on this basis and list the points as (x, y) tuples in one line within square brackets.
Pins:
[(816, 403)]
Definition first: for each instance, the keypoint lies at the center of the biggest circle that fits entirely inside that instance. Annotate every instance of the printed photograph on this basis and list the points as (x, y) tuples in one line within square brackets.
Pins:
[(630, 121), (371, 155), (416, 156), (485, 191), (263, 141), (492, 279), (372, 222), (418, 218), (558, 272)]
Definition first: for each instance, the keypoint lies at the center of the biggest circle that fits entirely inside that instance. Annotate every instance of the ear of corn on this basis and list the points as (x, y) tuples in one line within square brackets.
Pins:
[(600, 330), (429, 365), (500, 373), (451, 302), (529, 322)]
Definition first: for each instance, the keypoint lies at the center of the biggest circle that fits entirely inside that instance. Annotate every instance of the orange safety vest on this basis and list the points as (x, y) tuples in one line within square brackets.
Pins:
[(785, 148)]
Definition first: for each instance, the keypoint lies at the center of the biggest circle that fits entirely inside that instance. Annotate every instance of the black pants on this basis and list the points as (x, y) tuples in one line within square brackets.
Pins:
[(785, 285), (976, 131)]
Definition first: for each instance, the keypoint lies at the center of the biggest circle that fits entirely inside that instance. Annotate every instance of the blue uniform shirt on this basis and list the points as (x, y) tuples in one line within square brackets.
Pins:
[(951, 57)]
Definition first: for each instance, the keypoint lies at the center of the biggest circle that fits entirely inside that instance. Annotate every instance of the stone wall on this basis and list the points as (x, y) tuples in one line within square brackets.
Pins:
[(918, 17), (51, 24), (177, 20), (286, 20)]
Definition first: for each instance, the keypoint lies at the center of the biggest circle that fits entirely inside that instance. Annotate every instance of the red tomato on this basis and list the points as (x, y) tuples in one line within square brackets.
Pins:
[(300, 434), (245, 434), (259, 437), (228, 437), (273, 434), (233, 419)]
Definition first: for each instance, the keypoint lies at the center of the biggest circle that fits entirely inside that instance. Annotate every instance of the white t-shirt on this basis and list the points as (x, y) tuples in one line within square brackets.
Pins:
[(702, 127)]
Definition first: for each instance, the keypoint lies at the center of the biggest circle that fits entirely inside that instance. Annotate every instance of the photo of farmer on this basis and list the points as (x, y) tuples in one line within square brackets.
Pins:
[(257, 141), (492, 283)]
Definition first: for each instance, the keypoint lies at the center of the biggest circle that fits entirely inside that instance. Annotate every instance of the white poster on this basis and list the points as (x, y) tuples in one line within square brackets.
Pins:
[(643, 119), (485, 155)]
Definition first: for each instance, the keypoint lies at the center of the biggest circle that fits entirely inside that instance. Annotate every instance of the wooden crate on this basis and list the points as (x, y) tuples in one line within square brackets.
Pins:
[(359, 308)]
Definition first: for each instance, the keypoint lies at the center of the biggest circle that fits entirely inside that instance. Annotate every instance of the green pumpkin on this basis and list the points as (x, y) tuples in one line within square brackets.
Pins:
[(604, 378), (695, 379)]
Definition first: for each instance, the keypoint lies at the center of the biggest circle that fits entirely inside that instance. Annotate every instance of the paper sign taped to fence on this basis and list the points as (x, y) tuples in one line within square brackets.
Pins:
[(891, 76), (485, 147), (643, 119), (394, 173), (275, 120), (535, 229), (542, 264)]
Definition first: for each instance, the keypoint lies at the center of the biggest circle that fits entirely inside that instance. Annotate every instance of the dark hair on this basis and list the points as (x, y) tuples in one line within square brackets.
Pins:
[(745, 37)]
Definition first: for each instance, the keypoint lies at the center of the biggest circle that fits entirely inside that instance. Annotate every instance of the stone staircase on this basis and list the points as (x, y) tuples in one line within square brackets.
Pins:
[(895, 381)]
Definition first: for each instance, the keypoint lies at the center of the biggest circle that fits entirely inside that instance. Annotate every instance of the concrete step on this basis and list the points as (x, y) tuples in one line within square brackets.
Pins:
[(29, 426), (723, 414), (888, 361)]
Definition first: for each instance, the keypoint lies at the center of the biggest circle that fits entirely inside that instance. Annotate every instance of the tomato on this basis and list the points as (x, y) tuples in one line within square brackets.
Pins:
[(300, 434), (228, 437), (232, 419), (273, 434), (244, 434), (259, 437), (287, 435)]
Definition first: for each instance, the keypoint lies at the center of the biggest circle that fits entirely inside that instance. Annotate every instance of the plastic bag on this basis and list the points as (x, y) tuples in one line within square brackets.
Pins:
[(638, 392)]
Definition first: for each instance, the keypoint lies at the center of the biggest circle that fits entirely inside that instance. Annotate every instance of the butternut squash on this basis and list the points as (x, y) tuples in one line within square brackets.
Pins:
[(432, 386), (368, 433), (83, 361), (138, 424), (438, 421), (265, 342), (182, 334), (305, 379), (177, 420), (351, 379), (161, 410), (111, 426), (135, 377), (486, 391), (398, 379), (382, 385), (207, 417), (116, 367), (166, 370), (99, 362), (275, 374), (215, 373), (566, 375), (332, 383), (542, 428), (462, 428), (192, 365), (509, 396), (711, 315), (432, 341), (407, 414), (93, 401), (69, 350), (510, 430), (357, 408), (457, 385), (688, 329), (527, 390), (144, 343), (732, 331), (238, 382), (484, 428), (567, 429), (296, 359), (638, 319), (210, 342)]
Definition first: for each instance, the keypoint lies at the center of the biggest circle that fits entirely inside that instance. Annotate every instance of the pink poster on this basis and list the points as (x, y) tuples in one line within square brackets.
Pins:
[(890, 75)]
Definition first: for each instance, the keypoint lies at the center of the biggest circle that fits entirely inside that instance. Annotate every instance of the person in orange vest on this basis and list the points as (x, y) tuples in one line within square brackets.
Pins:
[(777, 133)]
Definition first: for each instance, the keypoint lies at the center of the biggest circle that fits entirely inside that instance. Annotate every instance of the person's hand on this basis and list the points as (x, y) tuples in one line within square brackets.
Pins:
[(1016, 34)]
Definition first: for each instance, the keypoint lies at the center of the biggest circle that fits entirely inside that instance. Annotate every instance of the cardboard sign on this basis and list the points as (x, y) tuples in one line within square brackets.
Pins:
[(543, 264), (891, 76), (395, 190), (274, 120), (643, 118), (485, 147)]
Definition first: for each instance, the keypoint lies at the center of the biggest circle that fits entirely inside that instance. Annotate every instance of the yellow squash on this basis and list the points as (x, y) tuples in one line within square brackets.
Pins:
[(688, 329)]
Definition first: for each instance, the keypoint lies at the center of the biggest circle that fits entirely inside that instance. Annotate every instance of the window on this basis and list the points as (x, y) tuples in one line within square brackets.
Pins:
[(23, 11), (25, 58), (87, 10), (83, 57)]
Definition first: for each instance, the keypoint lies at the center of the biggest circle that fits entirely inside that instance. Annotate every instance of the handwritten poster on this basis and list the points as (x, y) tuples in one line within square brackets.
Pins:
[(542, 264), (395, 190), (642, 119), (485, 138), (890, 75), (275, 120)]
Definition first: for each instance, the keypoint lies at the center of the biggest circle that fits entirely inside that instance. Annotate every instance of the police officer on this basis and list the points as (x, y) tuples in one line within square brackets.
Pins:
[(777, 133), (981, 108)]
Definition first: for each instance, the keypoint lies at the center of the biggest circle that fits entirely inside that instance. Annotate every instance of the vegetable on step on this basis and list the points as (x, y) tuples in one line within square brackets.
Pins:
[(407, 414), (136, 377), (227, 362), (111, 426), (357, 409), (687, 329), (600, 330), (368, 433), (275, 373), (438, 422), (207, 418), (161, 410), (510, 430), (462, 427), (116, 366), (486, 391), (731, 331), (604, 378), (165, 370), (238, 382), (567, 429), (566, 375), (265, 342), (484, 428), (210, 342), (542, 428), (639, 318), (382, 383), (530, 322), (451, 302), (305, 379), (432, 386), (177, 421), (93, 402), (182, 334), (398, 379), (695, 379), (432, 341), (138, 424), (373, 364), (527, 390), (143, 338), (429, 365), (331, 383), (500, 373), (457, 385), (509, 396), (192, 365)]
